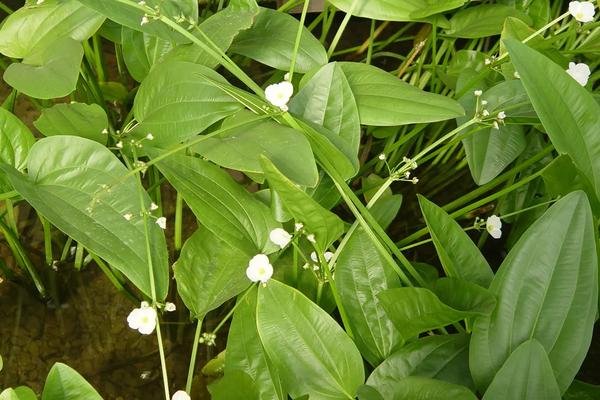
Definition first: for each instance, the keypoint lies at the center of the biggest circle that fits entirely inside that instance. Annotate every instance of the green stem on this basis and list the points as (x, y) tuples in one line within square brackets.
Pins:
[(10, 216), (230, 313), (193, 356), (340, 31), (47, 240), (178, 222), (5, 8), (298, 38)]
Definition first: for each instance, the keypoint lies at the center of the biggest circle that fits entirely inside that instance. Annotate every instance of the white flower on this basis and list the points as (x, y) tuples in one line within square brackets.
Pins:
[(153, 207), (279, 94), (580, 72), (494, 226), (478, 93), (181, 395), (495, 125), (484, 102), (38, 2), (286, 77), (128, 216), (501, 115), (485, 113), (105, 131), (259, 269), (150, 136), (381, 157), (170, 307), (415, 180), (142, 3), (144, 20), (298, 226), (143, 319), (517, 75), (119, 144), (582, 11), (162, 222), (328, 255), (280, 237), (311, 238), (487, 61)]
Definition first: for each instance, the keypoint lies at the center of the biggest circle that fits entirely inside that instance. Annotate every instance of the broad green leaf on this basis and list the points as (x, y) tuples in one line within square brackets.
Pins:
[(220, 204), (221, 28), (15, 142), (9, 394), (386, 209), (325, 225), (56, 65), (526, 375), (130, 13), (393, 10), (538, 10), (310, 350), (25, 393), (444, 357), (209, 272), (234, 386), (416, 310), (384, 100), (366, 392), (245, 351), (327, 100), (460, 257), (64, 383), (176, 101), (142, 50), (483, 20), (582, 391), (76, 119), (360, 275), (464, 295), (79, 186), (241, 148), (415, 387), (547, 290), (33, 27), (271, 41), (568, 112), (489, 151)]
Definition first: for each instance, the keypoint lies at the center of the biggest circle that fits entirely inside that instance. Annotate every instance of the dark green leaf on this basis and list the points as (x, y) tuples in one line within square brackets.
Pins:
[(76, 119), (15, 142), (141, 51), (414, 387), (65, 383), (234, 386), (483, 20)]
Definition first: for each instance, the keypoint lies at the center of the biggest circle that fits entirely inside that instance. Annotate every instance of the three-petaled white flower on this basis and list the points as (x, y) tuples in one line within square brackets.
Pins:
[(580, 72), (582, 11), (143, 319), (280, 237), (279, 94), (180, 395), (259, 269), (162, 222), (170, 307), (494, 226)]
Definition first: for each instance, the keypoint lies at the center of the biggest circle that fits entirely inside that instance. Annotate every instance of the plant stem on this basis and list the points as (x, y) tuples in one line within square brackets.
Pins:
[(192, 366), (298, 38), (178, 222), (340, 31)]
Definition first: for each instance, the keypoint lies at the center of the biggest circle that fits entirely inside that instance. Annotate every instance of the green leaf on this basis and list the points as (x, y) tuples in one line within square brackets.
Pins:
[(209, 272), (176, 101), (417, 310), (245, 352), (15, 142), (234, 386), (483, 20), (276, 51), (392, 10), (64, 383), (78, 185), (130, 14), (141, 51), (24, 393), (9, 394), (384, 100), (568, 112), (220, 204), (460, 257), (221, 28), (76, 119), (327, 100), (325, 225), (360, 275), (547, 290), (310, 350), (241, 148), (582, 391), (415, 387), (526, 374), (34, 27), (443, 357), (57, 65)]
